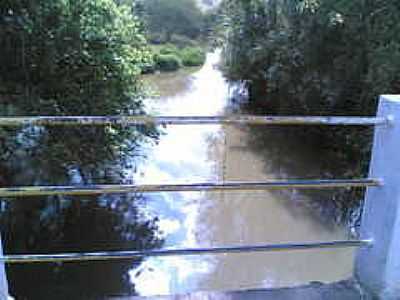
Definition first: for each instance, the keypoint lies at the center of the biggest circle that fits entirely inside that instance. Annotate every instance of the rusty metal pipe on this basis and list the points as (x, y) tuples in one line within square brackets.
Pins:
[(27, 191)]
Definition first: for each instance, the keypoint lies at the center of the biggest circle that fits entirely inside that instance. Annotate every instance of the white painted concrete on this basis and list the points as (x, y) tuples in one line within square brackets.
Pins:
[(3, 278), (378, 267)]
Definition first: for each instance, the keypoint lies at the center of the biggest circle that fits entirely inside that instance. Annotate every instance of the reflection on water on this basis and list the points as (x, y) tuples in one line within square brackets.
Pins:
[(209, 153), (170, 84)]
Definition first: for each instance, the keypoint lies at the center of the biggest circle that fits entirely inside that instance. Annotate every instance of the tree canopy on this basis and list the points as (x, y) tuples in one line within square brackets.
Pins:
[(310, 57), (71, 57), (166, 18)]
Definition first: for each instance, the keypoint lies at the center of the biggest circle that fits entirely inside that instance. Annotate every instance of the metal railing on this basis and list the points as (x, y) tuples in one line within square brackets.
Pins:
[(196, 120), (199, 187), (192, 187), (117, 255)]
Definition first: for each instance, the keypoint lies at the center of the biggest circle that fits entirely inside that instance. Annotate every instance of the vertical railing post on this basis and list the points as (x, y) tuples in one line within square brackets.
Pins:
[(3, 279), (378, 267)]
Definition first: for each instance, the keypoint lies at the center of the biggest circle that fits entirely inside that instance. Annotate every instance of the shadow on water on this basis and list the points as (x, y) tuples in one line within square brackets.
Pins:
[(89, 224), (46, 225), (294, 152), (289, 156)]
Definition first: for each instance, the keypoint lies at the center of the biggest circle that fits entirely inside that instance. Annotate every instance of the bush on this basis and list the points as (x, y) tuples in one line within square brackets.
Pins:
[(193, 56), (170, 57), (167, 62), (168, 49), (182, 41)]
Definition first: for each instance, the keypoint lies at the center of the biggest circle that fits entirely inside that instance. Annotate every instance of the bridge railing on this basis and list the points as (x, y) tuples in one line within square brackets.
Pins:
[(378, 260)]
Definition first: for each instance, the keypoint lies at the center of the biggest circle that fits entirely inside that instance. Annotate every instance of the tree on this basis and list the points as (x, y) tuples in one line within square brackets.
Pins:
[(75, 58), (166, 18), (323, 57), (71, 57)]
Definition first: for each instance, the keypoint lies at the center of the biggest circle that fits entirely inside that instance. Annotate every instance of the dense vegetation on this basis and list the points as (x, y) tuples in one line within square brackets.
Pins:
[(169, 57), (169, 19), (177, 29), (85, 57), (311, 57), (80, 57)]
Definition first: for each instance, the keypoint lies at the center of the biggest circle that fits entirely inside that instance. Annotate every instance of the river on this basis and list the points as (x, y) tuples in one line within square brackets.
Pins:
[(216, 153)]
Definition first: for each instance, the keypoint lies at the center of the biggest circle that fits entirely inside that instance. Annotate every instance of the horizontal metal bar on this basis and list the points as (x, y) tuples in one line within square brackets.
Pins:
[(197, 120), (192, 187), (121, 255)]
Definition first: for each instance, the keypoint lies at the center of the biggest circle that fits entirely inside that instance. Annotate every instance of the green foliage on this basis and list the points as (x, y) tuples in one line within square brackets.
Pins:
[(317, 58), (166, 18), (175, 28), (169, 57), (193, 56), (74, 58), (182, 41), (63, 46), (71, 57), (168, 49), (168, 62)]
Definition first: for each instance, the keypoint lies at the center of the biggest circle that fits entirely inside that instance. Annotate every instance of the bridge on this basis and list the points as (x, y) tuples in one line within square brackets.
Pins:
[(377, 262)]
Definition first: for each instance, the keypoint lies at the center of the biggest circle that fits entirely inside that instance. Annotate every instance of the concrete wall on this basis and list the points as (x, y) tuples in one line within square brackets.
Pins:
[(3, 278), (346, 290), (378, 267)]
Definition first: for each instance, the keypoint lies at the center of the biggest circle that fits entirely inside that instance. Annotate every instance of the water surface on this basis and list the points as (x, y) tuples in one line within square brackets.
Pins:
[(216, 153)]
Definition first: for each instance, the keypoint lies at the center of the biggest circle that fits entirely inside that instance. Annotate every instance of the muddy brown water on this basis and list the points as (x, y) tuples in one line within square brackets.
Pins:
[(214, 152)]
